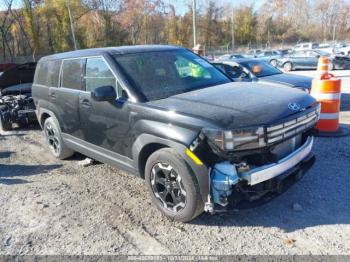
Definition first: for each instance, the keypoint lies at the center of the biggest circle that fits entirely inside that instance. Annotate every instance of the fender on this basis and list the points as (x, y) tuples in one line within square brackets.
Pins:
[(40, 111), (200, 171)]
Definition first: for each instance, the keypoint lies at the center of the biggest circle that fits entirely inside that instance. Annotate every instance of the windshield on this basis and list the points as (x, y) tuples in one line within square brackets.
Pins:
[(260, 69), (160, 74)]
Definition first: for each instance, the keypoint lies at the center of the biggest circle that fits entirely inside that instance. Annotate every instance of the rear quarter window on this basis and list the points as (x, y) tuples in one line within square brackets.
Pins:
[(47, 73), (72, 72), (40, 74)]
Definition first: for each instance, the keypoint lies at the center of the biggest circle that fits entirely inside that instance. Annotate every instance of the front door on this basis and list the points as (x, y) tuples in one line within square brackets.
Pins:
[(104, 124), (312, 59)]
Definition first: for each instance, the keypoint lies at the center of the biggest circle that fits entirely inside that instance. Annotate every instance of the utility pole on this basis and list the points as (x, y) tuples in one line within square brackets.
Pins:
[(194, 11), (233, 30), (334, 32), (71, 26)]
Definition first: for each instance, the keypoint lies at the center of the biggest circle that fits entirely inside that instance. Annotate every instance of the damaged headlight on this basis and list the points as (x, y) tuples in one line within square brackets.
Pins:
[(239, 139)]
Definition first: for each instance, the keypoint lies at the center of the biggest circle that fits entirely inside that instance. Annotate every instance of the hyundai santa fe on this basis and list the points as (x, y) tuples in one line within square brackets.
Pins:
[(200, 141)]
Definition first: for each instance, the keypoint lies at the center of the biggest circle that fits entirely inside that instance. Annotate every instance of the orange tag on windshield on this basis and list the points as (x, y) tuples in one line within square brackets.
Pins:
[(256, 69)]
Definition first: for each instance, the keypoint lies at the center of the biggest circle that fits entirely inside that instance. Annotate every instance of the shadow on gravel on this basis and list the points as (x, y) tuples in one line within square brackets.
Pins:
[(29, 127), (8, 172), (4, 136), (320, 198), (6, 154)]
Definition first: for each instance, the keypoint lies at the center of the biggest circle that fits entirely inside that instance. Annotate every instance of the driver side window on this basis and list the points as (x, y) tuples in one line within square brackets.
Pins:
[(98, 74)]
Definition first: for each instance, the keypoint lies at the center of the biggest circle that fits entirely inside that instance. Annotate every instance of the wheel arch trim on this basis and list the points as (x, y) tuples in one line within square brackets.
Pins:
[(200, 171)]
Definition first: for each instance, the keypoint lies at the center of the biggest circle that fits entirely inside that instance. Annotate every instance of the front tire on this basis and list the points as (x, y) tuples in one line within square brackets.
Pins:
[(173, 186), (273, 62), (54, 139)]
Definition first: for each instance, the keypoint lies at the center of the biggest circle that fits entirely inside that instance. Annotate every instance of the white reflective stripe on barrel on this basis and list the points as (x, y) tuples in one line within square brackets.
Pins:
[(329, 96), (329, 115)]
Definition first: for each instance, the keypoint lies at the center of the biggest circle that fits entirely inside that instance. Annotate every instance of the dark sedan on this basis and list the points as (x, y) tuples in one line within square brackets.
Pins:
[(308, 59), (248, 70)]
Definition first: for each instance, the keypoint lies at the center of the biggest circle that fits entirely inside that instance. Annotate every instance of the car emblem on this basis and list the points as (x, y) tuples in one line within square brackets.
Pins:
[(294, 106)]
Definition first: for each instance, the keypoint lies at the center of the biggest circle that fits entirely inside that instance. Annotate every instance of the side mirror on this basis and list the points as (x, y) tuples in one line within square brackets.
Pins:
[(104, 93), (318, 56)]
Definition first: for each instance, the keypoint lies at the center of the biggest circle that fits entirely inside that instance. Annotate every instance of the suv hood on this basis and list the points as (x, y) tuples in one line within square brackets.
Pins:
[(289, 79), (235, 105)]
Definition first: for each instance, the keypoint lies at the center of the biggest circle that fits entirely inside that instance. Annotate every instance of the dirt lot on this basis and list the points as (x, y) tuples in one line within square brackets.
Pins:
[(57, 207)]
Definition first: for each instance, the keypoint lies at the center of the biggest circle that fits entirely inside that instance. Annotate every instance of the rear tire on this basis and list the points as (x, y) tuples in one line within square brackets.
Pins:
[(53, 137), (287, 66), (5, 125), (173, 186)]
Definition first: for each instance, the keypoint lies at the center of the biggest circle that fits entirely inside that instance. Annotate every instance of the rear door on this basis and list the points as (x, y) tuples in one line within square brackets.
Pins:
[(104, 124), (66, 97)]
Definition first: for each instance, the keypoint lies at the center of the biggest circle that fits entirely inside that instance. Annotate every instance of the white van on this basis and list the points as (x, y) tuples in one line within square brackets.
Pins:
[(303, 46)]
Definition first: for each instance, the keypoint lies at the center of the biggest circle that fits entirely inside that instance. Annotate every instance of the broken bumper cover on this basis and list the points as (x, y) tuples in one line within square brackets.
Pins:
[(266, 172), (252, 188)]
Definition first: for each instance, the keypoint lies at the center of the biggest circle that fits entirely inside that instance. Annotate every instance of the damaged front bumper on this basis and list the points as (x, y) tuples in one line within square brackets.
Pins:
[(228, 186), (266, 172)]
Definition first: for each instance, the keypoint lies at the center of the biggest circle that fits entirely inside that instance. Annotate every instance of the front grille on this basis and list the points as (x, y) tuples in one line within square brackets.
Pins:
[(292, 127)]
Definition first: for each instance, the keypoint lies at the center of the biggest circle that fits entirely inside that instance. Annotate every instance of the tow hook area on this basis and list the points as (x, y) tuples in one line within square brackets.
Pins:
[(222, 177)]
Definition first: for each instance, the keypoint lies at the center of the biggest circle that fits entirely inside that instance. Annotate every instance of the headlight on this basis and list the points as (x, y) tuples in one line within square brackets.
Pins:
[(238, 139)]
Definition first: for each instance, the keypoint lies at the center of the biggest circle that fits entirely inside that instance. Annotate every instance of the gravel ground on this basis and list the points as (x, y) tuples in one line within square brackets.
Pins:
[(58, 207)]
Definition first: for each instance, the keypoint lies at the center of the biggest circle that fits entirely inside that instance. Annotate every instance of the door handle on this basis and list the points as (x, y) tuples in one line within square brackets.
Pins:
[(52, 94), (85, 102)]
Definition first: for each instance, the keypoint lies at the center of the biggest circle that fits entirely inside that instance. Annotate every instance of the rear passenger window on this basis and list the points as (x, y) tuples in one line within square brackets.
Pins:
[(98, 74), (72, 71)]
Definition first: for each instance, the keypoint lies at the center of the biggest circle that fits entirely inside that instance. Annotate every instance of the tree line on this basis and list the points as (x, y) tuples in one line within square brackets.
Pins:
[(38, 27)]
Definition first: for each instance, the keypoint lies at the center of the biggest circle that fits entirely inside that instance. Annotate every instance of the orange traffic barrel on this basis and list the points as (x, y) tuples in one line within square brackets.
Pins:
[(323, 65), (327, 91)]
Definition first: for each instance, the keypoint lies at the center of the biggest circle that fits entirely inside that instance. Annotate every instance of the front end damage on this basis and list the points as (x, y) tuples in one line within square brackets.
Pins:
[(243, 178)]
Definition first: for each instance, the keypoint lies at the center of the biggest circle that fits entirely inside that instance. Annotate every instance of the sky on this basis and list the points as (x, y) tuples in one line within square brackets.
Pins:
[(181, 6)]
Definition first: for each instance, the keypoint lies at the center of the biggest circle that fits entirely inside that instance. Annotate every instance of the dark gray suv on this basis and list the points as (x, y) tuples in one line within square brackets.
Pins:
[(165, 114)]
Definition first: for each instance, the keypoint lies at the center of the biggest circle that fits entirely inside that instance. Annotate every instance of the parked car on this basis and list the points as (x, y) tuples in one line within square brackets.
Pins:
[(305, 46), (330, 48), (200, 141), (253, 52), (270, 56), (258, 71), (16, 102), (4, 67), (344, 49), (308, 59), (285, 51), (230, 56)]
